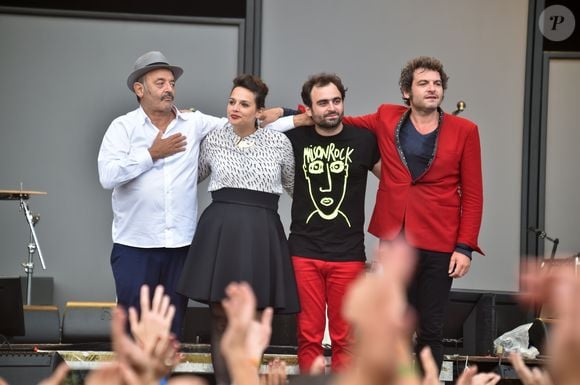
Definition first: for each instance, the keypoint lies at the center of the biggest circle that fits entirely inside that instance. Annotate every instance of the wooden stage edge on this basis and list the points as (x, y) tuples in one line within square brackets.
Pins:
[(192, 362), (197, 359)]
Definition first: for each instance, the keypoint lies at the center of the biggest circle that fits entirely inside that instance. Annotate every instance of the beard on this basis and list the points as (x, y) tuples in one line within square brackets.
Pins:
[(326, 123)]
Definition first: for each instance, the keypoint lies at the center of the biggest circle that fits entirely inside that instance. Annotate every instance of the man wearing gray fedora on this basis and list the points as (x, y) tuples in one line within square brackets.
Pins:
[(149, 158)]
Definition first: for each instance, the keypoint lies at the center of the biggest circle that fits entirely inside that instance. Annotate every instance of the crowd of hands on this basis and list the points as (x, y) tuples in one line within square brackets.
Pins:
[(382, 325)]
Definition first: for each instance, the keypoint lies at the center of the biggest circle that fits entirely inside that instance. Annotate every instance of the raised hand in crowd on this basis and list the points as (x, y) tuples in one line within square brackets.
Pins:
[(152, 356), (318, 366), (377, 309), (558, 288), (529, 376), (430, 368), (156, 317), (154, 353), (245, 338), (245, 332), (468, 377), (134, 365), (149, 366), (275, 374)]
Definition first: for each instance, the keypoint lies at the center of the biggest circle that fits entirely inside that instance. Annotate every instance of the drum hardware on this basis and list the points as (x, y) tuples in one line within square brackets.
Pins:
[(544, 312), (541, 234), (33, 246)]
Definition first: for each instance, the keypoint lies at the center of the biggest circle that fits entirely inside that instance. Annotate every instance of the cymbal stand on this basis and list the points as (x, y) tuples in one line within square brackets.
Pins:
[(33, 246)]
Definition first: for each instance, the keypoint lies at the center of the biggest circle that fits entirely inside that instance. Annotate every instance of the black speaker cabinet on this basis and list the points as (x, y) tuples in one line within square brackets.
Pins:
[(284, 330), (87, 322), (12, 318), (197, 324), (197, 327), (26, 368), (476, 318)]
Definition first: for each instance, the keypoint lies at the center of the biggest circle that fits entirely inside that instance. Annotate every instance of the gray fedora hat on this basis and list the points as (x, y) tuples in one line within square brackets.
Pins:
[(150, 61)]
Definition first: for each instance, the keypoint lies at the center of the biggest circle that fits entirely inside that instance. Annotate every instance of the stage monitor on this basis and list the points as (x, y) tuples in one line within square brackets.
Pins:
[(460, 306), (476, 318), (12, 320), (28, 368)]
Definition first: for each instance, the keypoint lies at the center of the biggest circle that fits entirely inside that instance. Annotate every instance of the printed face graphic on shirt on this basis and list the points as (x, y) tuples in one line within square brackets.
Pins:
[(326, 172)]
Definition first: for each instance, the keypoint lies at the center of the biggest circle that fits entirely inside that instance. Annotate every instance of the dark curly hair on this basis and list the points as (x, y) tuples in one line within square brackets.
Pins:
[(254, 84), (321, 80), (425, 62)]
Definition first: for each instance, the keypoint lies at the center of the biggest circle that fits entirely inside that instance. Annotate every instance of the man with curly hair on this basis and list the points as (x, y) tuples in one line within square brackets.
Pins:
[(430, 190)]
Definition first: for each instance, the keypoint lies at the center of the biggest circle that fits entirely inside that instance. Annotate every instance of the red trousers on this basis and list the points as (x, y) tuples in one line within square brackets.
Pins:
[(321, 284)]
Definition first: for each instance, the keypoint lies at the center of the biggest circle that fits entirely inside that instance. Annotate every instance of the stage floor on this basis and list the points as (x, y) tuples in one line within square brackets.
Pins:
[(84, 357)]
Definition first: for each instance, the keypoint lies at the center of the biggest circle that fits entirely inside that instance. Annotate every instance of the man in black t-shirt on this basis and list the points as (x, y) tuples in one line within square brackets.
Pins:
[(327, 232)]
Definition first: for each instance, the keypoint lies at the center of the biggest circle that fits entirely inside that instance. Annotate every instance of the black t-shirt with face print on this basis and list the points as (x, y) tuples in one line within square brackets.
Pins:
[(329, 192)]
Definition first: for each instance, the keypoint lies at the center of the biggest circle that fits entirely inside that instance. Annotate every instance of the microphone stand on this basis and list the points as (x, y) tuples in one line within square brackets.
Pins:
[(555, 242), (541, 234)]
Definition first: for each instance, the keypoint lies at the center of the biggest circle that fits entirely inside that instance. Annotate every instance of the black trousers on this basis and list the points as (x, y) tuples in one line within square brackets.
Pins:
[(429, 294)]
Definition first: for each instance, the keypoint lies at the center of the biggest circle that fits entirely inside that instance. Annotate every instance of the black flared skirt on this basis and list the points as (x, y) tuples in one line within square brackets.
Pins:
[(239, 237)]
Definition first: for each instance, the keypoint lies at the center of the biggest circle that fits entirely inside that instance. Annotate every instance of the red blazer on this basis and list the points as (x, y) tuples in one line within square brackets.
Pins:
[(444, 206)]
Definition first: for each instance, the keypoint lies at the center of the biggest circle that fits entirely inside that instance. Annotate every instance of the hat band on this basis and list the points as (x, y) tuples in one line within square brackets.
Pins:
[(157, 63)]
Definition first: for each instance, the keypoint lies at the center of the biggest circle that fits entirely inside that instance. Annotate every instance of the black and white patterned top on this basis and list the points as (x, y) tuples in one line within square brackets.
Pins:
[(262, 161)]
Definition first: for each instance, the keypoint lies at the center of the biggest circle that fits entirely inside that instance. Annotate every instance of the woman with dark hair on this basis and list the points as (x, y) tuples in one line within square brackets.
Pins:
[(239, 236)]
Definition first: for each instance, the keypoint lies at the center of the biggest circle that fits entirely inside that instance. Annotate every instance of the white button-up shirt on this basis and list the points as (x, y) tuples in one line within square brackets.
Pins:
[(154, 202)]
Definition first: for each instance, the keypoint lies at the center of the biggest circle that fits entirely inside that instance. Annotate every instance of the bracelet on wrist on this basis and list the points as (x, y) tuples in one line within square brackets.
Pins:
[(255, 362), (408, 370)]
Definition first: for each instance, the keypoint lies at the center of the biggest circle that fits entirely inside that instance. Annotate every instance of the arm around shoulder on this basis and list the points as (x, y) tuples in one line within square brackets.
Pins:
[(205, 123), (373, 121), (282, 125)]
